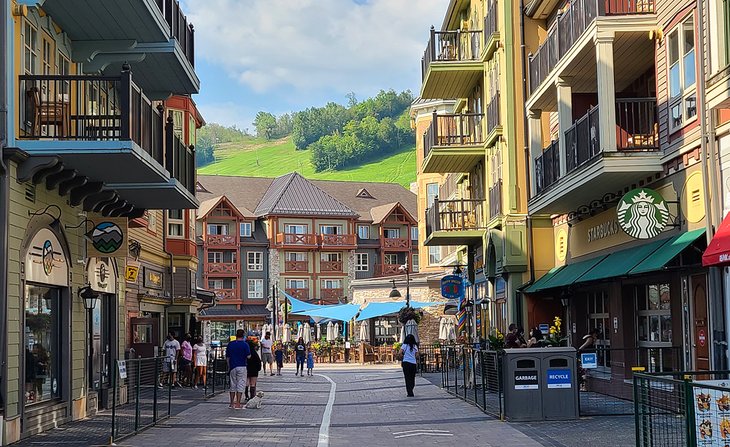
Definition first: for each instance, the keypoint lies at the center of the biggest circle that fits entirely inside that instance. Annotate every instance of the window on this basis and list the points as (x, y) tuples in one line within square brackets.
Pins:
[(391, 233), (215, 257), (330, 229), (30, 48), (296, 283), (246, 229), (42, 343), (47, 62), (391, 258), (215, 284), (434, 255), (331, 283), (255, 288), (414, 262), (361, 262), (331, 257), (295, 229), (432, 191), (682, 74), (654, 326), (363, 231), (175, 223), (598, 318), (178, 123), (414, 233), (217, 229), (255, 261), (296, 256)]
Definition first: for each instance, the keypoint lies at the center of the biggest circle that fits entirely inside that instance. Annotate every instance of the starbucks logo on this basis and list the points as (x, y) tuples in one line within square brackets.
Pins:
[(642, 213), (107, 237)]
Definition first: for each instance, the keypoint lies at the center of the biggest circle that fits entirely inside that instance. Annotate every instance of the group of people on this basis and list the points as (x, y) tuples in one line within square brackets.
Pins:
[(184, 364), (516, 339)]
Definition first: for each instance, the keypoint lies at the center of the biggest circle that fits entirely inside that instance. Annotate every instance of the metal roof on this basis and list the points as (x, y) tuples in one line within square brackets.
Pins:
[(293, 194)]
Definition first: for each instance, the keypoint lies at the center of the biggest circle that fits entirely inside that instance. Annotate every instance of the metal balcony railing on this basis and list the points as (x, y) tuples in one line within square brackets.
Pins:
[(495, 200), (464, 129), (582, 141), (493, 113), (451, 46), (571, 24), (490, 20), (547, 167), (454, 215)]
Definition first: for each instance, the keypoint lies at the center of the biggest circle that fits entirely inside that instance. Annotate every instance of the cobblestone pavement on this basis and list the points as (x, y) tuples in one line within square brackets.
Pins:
[(370, 408)]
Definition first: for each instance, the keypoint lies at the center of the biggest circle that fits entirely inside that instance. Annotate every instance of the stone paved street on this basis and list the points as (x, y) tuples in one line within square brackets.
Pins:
[(370, 408)]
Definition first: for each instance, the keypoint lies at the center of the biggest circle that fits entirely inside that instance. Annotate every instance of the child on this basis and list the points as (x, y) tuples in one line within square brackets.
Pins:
[(279, 354), (310, 362)]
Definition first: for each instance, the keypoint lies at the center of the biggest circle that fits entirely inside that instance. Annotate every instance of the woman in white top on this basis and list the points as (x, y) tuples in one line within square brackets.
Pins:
[(410, 354), (200, 358)]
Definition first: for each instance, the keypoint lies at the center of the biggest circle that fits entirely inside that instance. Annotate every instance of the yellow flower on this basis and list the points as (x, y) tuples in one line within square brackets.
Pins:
[(553, 330)]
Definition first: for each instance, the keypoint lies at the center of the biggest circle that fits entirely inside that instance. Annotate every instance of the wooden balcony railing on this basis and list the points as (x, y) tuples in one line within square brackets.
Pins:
[(451, 46), (221, 240), (226, 294), (296, 266), (330, 266), (495, 200), (454, 215), (337, 240), (102, 108), (395, 242), (571, 24), (180, 29), (301, 294), (388, 269), (222, 267), (307, 239), (464, 129), (332, 294)]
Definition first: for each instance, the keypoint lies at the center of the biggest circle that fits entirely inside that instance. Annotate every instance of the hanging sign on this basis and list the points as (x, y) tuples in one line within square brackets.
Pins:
[(45, 261), (642, 213), (108, 238), (452, 287), (131, 272), (102, 275)]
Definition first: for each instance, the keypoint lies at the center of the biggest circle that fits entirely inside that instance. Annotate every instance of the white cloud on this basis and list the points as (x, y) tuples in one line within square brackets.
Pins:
[(310, 45), (228, 114)]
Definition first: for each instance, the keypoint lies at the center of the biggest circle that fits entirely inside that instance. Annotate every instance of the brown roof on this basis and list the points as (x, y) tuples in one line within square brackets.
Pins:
[(380, 213), (248, 192), (207, 205), (292, 194)]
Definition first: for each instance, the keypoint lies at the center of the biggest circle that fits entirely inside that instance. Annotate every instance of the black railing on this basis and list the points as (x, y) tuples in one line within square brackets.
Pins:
[(493, 113), (490, 21), (463, 129), (495, 200), (547, 167), (582, 141), (636, 124), (454, 215), (181, 159), (475, 376), (451, 46), (571, 25), (180, 29), (449, 187)]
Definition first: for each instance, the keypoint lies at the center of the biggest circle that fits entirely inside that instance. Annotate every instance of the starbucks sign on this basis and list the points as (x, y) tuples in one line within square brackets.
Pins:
[(642, 213)]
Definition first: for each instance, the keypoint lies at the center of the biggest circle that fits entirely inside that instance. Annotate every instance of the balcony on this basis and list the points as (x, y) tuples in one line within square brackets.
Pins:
[(495, 200), (341, 241), (295, 241), (84, 125), (388, 269), (491, 29), (152, 35), (221, 240), (569, 48), (229, 268), (454, 222), (453, 143), (395, 243), (636, 155), (332, 295), (451, 65), (300, 294), (330, 266), (494, 127), (227, 294), (296, 266)]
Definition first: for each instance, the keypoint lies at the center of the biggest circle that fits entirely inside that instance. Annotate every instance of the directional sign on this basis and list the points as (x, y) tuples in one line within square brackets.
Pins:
[(588, 360)]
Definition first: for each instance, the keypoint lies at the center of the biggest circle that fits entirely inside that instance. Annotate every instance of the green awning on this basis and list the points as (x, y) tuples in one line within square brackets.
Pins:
[(664, 255), (544, 279), (619, 263), (571, 272)]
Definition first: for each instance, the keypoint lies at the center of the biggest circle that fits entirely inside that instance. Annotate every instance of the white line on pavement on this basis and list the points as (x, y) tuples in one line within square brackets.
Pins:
[(420, 430), (324, 429), (422, 434)]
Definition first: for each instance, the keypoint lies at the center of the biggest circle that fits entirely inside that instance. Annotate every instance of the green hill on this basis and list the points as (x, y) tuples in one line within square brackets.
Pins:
[(260, 158)]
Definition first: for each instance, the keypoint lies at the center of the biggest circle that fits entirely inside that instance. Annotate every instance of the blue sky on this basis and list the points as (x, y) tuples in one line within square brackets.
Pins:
[(285, 55)]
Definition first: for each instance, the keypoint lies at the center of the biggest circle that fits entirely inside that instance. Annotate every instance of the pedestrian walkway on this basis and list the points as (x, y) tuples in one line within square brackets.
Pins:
[(368, 407)]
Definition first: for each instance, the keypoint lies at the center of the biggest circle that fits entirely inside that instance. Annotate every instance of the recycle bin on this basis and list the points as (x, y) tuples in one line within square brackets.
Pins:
[(560, 394)]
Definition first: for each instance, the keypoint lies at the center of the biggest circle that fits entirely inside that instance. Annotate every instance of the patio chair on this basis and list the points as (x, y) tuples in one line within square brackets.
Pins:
[(46, 113)]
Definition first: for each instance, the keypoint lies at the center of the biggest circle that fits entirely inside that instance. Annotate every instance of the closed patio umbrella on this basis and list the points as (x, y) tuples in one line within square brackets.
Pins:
[(451, 332), (336, 330), (442, 328), (319, 332), (363, 331), (411, 327), (330, 331), (285, 333), (300, 331), (307, 333)]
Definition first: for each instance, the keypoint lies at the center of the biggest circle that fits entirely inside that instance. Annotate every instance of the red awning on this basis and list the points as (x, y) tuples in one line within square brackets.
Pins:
[(718, 251)]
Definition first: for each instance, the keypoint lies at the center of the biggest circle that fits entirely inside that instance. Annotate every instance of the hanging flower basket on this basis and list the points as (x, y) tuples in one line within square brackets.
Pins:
[(408, 313)]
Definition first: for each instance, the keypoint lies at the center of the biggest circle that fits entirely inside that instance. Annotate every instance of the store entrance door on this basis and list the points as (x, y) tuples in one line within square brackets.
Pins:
[(700, 326)]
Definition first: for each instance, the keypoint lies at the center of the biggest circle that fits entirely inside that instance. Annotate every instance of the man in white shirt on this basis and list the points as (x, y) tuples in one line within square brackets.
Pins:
[(169, 363), (266, 355)]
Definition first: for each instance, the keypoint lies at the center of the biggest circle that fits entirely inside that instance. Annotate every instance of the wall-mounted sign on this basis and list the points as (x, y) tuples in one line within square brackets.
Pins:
[(712, 413), (152, 278), (526, 380), (603, 230), (588, 360), (102, 275), (561, 244), (45, 261), (452, 287), (108, 238), (642, 213), (131, 272)]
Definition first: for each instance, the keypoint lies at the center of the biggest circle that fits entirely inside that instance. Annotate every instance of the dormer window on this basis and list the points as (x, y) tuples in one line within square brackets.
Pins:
[(364, 194)]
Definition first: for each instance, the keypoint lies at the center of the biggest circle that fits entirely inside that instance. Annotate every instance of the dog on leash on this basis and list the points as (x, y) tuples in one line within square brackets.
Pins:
[(255, 402)]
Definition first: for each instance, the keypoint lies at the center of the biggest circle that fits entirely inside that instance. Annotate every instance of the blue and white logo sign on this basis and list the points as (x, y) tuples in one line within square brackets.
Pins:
[(452, 287), (559, 378), (588, 360)]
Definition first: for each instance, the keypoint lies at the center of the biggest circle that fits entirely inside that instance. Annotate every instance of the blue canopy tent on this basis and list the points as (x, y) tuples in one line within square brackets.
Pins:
[(341, 312), (298, 306), (374, 310)]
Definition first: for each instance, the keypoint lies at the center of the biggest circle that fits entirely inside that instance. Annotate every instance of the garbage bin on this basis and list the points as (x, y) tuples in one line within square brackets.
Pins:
[(522, 395), (560, 394)]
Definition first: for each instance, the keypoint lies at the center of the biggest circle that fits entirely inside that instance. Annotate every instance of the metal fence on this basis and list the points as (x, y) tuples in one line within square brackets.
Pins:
[(474, 375), (682, 408), (217, 373)]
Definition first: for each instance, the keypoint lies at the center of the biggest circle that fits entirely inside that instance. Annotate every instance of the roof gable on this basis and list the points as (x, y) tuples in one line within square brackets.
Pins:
[(209, 206), (380, 214), (292, 194)]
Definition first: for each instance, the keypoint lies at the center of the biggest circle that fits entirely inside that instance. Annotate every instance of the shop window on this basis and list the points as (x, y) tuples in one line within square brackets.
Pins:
[(654, 326), (682, 74), (222, 331), (387, 331), (255, 261), (42, 344), (361, 262)]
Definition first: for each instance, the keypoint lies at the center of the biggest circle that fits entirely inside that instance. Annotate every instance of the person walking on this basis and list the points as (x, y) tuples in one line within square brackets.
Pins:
[(279, 354), (237, 355), (409, 354), (310, 362), (252, 371), (301, 355), (201, 363), (169, 364), (266, 357), (186, 362)]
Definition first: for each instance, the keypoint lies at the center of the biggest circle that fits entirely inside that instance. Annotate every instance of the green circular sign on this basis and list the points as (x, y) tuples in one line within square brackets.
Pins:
[(642, 213)]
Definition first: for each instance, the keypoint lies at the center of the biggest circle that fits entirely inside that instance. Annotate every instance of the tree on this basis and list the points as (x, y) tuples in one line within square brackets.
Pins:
[(265, 124)]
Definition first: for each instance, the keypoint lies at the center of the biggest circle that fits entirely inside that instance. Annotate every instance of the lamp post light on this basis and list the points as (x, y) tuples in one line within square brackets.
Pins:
[(395, 293)]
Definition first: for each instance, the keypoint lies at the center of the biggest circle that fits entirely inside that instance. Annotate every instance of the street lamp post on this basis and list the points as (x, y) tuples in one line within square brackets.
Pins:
[(395, 293)]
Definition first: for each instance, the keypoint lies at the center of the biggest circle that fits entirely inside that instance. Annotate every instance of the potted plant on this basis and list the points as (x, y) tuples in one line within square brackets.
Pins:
[(408, 313), (496, 340), (555, 336)]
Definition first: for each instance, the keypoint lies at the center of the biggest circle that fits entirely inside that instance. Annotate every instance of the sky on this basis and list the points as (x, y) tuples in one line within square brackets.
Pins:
[(283, 56)]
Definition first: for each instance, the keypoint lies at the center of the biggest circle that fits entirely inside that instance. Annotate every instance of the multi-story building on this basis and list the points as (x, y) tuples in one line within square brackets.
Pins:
[(474, 58), (84, 148), (308, 238)]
